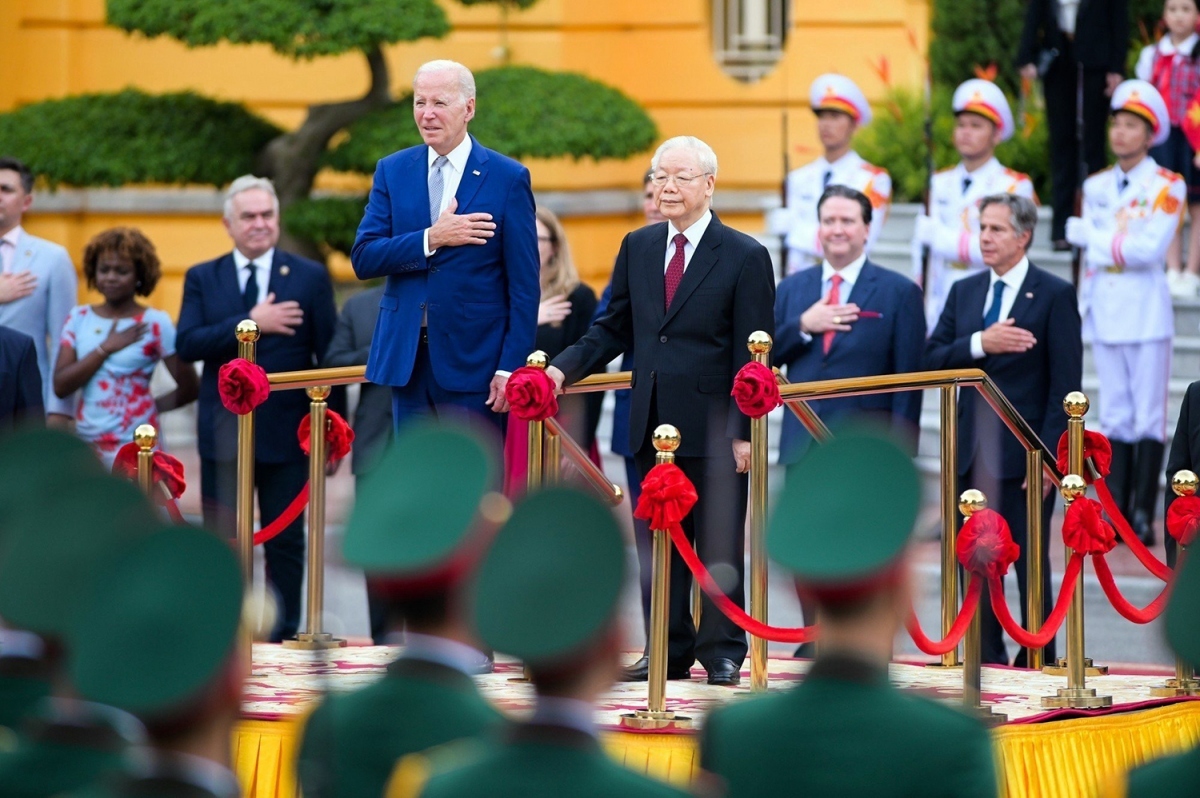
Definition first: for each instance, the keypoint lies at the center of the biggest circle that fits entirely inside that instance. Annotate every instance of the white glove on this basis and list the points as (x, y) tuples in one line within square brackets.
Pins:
[(923, 231), (1077, 232)]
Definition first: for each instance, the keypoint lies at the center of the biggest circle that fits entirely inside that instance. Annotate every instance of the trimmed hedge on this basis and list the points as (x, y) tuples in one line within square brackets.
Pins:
[(332, 221), (133, 137), (522, 112)]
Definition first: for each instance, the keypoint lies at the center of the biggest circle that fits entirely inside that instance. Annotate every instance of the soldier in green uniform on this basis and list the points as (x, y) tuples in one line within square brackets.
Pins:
[(424, 515), (1179, 774), (158, 638), (548, 592), (844, 731)]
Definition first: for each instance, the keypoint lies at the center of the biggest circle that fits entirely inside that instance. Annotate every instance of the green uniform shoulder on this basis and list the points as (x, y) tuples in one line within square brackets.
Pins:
[(1166, 777)]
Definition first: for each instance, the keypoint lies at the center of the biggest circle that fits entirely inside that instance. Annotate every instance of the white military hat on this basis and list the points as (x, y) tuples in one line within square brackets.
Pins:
[(982, 97), (833, 92), (1141, 99)]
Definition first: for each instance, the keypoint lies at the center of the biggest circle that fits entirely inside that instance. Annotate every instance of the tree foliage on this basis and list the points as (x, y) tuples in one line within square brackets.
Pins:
[(971, 34), (521, 4), (133, 137), (522, 112), (332, 221), (295, 28)]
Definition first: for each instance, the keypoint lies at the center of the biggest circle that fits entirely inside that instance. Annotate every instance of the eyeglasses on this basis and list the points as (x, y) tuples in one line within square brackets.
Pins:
[(547, 239), (682, 181)]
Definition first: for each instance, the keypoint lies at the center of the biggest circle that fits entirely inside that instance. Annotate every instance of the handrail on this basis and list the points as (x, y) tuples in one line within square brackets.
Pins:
[(309, 378), (603, 381), (608, 490), (919, 380), (804, 413)]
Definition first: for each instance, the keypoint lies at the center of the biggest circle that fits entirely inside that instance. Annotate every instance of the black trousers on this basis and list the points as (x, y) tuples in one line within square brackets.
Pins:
[(1007, 497), (1060, 85), (277, 484), (642, 540), (717, 529)]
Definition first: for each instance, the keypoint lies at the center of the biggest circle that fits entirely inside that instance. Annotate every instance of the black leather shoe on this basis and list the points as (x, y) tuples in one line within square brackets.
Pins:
[(723, 672), (640, 671), (1061, 245), (806, 651)]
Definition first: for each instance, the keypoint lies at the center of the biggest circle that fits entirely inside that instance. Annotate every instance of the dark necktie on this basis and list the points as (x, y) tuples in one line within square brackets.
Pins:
[(250, 292), (674, 269), (1122, 183), (826, 178), (835, 298), (993, 314), (966, 185)]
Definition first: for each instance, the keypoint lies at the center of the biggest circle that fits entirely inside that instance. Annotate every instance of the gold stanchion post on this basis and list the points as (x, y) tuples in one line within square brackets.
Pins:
[(1034, 554), (552, 459), (656, 716), (949, 498), (970, 502), (145, 436), (537, 431), (1184, 483), (247, 335), (313, 638), (1076, 695), (760, 349), (697, 605)]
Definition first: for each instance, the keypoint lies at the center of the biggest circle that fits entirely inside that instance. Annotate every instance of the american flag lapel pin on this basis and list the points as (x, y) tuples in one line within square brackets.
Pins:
[(475, 172), (1029, 295)]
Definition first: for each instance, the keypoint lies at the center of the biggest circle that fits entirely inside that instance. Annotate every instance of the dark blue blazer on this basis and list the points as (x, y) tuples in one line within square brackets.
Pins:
[(888, 339), (482, 300), (1035, 381), (212, 307), (20, 380), (621, 399)]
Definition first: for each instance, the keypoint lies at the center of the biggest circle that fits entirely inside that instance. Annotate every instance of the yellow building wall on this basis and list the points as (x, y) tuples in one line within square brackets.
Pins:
[(657, 51)]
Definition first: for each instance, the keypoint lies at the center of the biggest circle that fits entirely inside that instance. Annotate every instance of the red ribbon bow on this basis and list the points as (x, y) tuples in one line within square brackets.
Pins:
[(667, 497), (755, 390), (530, 392), (242, 385), (1183, 519), (338, 436), (165, 468), (985, 546), (1085, 530), (1095, 446)]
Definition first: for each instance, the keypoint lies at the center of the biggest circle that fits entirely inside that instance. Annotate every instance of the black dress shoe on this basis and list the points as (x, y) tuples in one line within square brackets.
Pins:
[(723, 672), (1061, 245), (806, 651), (640, 671)]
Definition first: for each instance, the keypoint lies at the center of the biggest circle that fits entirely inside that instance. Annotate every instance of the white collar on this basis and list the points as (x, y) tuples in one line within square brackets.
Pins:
[(849, 272), (18, 643), (13, 236), (694, 233), (188, 768), (457, 156), (263, 261), (981, 172), (1014, 277), (849, 161), (1143, 166), (430, 648), (570, 713), (1186, 47)]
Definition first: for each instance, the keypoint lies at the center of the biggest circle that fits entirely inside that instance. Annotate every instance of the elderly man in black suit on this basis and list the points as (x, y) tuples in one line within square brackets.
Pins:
[(20, 380), (1020, 325), (686, 295)]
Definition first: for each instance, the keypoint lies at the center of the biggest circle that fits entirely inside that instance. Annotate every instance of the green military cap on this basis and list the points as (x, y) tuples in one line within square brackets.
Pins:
[(421, 502), (551, 579), (1183, 609), (159, 623), (58, 540), (847, 511), (35, 460)]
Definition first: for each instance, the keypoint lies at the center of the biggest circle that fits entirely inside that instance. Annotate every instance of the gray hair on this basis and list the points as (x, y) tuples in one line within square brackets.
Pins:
[(466, 80), (1022, 212), (248, 183), (704, 153)]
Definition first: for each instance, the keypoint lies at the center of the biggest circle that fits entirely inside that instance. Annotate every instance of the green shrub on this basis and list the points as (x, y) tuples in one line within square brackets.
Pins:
[(133, 137), (522, 112), (331, 221), (971, 34)]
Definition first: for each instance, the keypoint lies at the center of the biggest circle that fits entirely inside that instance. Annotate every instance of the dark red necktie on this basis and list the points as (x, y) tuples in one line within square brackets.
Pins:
[(674, 269), (835, 298)]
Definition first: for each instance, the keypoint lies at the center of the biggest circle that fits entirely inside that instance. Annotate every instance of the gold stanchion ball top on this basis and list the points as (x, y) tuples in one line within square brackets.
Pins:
[(1076, 404), (760, 343), (145, 436), (246, 331), (666, 438), (971, 501), (538, 359), (1185, 483), (1073, 487), (318, 393)]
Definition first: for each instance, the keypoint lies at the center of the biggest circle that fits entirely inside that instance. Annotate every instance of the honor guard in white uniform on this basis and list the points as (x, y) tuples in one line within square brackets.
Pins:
[(1131, 212), (983, 120), (841, 108)]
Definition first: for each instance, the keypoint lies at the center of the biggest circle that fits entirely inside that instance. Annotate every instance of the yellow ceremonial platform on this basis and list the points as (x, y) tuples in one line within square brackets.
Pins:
[(1039, 753)]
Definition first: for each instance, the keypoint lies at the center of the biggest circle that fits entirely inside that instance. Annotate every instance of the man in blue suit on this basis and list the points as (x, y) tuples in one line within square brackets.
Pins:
[(847, 318), (291, 299), (1020, 325), (20, 381), (450, 223)]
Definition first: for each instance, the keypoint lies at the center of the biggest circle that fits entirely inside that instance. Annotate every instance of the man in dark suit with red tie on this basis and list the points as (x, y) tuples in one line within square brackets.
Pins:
[(686, 295)]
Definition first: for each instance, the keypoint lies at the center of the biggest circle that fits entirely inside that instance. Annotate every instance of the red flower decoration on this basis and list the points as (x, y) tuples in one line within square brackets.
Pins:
[(667, 497), (1085, 530), (1183, 519), (167, 469), (338, 436), (985, 546), (242, 385), (755, 390), (530, 391), (1095, 446)]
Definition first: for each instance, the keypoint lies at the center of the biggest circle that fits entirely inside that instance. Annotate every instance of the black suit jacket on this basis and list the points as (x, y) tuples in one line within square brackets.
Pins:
[(211, 309), (1035, 381), (1185, 446), (689, 353), (20, 380), (1101, 33)]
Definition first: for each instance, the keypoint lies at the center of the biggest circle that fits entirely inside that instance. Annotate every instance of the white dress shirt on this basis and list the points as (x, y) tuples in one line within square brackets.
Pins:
[(1068, 12), (452, 172), (1012, 280), (8, 248), (693, 235), (262, 271)]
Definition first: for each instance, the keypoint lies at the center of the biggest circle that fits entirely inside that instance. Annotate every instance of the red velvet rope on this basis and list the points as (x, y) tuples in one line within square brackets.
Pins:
[(755, 390), (1043, 636), (1120, 603), (242, 386), (165, 468), (1183, 519), (530, 394), (339, 437), (957, 629), (1143, 554), (1096, 447), (290, 514)]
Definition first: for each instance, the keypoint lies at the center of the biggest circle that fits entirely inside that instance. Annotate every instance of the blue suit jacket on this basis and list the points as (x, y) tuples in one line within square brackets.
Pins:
[(1035, 381), (481, 300), (212, 307), (887, 343), (20, 380)]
